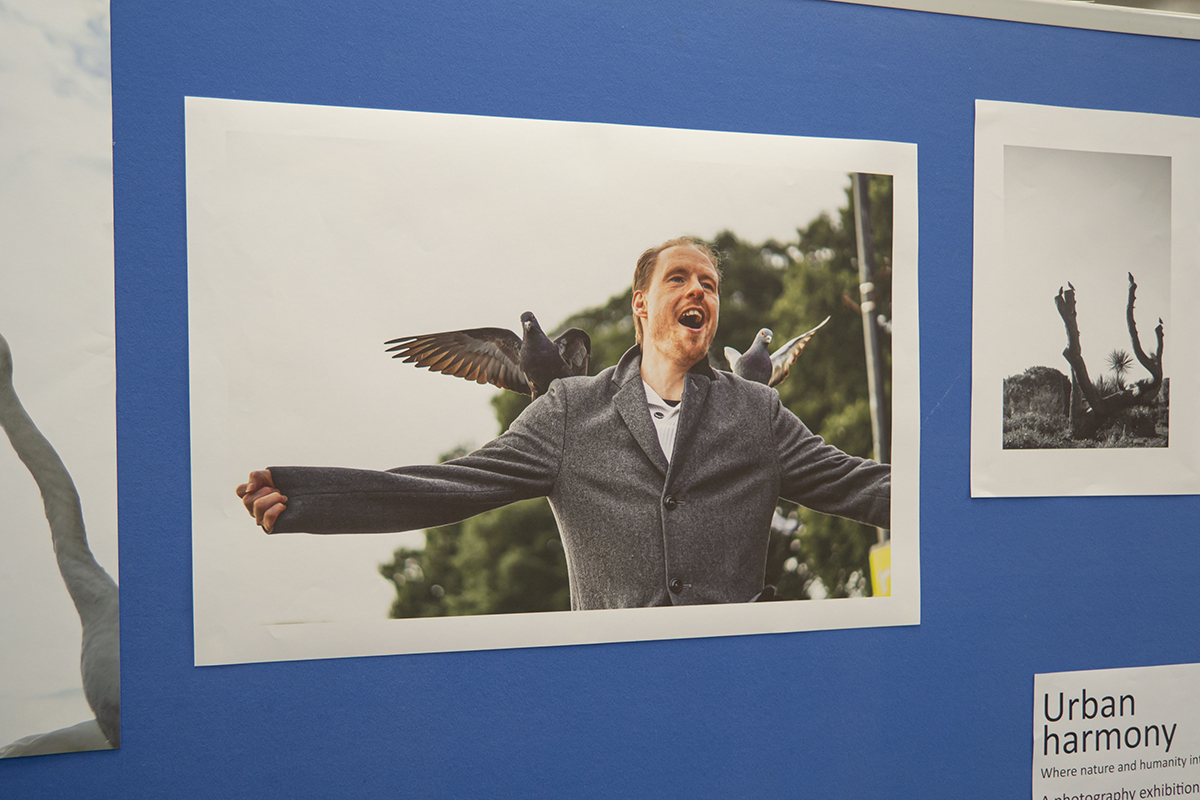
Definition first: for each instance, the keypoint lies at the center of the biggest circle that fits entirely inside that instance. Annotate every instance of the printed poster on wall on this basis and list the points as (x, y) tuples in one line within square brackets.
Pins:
[(58, 590), (316, 235), (1087, 264)]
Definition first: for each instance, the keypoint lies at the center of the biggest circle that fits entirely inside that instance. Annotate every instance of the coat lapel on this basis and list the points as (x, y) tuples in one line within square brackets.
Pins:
[(630, 401), (695, 391)]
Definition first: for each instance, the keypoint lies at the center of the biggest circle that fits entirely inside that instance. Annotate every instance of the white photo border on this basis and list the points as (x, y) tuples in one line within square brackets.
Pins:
[(1061, 13), (238, 367), (996, 472)]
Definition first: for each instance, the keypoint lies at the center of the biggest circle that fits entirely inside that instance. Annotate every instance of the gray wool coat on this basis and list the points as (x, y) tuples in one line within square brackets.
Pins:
[(636, 530)]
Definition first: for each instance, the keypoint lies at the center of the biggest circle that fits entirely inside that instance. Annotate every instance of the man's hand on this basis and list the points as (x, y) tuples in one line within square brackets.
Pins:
[(262, 499)]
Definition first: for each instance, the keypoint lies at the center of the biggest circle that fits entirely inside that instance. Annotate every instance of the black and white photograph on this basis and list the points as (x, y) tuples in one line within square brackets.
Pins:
[(372, 289), (60, 687), (1099, 218), (1081, 258)]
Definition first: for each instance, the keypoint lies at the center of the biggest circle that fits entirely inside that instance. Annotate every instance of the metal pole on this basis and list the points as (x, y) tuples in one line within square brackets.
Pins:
[(866, 288)]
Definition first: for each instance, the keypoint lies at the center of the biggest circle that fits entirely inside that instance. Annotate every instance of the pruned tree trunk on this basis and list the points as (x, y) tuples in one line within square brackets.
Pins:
[(1089, 410)]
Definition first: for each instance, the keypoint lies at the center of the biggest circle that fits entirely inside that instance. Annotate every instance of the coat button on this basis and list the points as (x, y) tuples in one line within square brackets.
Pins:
[(675, 585), (670, 502)]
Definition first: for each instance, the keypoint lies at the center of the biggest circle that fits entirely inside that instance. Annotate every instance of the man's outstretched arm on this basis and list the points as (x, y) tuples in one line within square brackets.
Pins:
[(820, 476), (520, 464)]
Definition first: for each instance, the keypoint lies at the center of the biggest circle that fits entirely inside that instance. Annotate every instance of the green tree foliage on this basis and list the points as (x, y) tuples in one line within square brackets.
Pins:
[(828, 385), (511, 559)]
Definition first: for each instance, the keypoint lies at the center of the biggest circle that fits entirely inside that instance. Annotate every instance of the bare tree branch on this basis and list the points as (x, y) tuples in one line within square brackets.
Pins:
[(1152, 365), (1086, 422)]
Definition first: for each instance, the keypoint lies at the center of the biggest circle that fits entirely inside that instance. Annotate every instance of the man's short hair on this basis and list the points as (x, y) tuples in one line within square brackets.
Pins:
[(646, 263)]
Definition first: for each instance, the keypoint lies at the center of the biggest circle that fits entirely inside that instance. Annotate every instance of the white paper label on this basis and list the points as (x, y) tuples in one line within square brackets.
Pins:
[(1117, 734)]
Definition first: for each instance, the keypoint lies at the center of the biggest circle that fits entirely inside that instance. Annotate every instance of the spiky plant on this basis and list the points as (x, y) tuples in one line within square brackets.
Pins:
[(1119, 362)]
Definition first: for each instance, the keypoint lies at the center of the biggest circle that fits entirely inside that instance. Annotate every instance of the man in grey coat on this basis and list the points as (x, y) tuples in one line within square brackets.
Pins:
[(650, 513)]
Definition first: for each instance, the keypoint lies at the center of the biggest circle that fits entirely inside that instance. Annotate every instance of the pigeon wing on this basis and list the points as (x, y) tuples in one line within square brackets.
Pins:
[(575, 347), (784, 357), (483, 355), (732, 356)]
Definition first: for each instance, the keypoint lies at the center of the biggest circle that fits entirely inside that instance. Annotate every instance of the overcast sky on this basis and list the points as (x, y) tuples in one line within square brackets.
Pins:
[(1089, 219), (316, 234), (56, 311)]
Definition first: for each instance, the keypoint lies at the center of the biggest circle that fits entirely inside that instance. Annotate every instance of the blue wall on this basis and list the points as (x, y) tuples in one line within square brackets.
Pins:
[(1011, 587)]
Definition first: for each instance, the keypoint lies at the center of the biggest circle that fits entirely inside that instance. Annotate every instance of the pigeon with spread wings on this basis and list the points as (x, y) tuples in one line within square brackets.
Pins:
[(524, 364), (759, 365)]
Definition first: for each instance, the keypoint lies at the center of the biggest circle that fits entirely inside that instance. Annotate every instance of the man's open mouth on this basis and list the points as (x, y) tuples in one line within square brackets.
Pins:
[(692, 318)]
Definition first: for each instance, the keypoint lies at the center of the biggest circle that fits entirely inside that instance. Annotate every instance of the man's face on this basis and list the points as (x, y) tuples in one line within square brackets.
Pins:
[(679, 307)]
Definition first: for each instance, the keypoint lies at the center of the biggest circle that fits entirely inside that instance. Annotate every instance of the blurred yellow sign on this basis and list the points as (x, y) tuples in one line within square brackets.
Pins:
[(881, 570)]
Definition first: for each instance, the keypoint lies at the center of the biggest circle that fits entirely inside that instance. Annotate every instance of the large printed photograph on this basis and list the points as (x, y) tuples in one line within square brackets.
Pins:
[(1085, 263), (60, 681), (373, 289)]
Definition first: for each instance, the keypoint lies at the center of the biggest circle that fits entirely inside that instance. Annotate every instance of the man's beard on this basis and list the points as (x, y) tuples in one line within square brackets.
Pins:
[(679, 346)]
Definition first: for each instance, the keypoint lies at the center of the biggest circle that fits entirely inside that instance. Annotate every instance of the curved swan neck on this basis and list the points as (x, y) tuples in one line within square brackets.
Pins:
[(91, 588)]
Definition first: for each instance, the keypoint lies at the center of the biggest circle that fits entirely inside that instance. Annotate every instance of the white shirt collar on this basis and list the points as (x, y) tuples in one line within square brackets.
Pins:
[(665, 417)]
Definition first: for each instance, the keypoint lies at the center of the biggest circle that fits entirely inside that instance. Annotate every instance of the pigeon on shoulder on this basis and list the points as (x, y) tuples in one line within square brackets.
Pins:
[(758, 364), (524, 364)]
